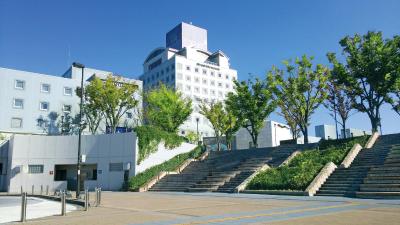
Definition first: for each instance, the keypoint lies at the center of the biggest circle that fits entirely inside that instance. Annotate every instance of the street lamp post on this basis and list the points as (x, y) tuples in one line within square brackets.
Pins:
[(78, 166), (197, 123)]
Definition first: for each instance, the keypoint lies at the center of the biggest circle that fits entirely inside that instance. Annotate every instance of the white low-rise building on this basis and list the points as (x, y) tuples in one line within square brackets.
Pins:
[(186, 64), (26, 96)]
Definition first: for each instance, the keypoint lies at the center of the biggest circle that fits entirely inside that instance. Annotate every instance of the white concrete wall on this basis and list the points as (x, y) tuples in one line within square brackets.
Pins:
[(270, 135), (163, 154), (57, 150)]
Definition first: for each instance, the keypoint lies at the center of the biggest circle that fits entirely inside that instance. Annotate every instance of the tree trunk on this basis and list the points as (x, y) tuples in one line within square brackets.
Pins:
[(374, 123), (344, 129), (305, 134)]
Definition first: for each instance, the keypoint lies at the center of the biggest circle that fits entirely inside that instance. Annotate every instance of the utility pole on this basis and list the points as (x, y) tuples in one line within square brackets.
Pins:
[(78, 166)]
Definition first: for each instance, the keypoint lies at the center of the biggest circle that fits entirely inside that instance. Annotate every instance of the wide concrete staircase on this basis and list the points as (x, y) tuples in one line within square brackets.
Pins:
[(223, 171), (373, 173)]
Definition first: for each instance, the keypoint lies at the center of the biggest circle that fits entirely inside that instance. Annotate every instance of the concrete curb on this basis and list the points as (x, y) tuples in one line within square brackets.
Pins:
[(288, 159), (243, 185), (320, 179), (351, 155), (276, 192), (371, 141)]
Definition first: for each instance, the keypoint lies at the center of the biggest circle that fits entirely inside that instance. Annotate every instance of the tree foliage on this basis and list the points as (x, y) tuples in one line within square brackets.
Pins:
[(251, 103), (302, 92), (110, 98), (166, 109), (215, 113), (370, 72), (338, 103)]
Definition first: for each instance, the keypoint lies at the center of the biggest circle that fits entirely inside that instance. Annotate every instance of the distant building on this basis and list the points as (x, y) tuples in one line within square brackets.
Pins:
[(329, 132), (26, 96), (186, 64), (352, 132), (270, 136), (325, 131)]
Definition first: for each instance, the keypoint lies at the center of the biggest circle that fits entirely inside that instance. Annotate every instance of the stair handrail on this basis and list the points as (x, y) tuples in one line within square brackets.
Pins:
[(371, 141), (243, 185), (288, 159), (320, 179), (351, 155)]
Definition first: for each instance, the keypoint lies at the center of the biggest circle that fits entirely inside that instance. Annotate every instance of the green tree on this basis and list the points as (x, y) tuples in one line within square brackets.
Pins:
[(339, 104), (302, 92), (166, 109), (371, 69), (92, 106), (215, 113), (251, 103), (113, 97), (394, 98), (230, 125), (290, 121)]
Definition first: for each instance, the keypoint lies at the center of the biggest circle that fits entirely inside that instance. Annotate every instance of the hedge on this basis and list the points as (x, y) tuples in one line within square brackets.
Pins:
[(299, 173), (137, 181)]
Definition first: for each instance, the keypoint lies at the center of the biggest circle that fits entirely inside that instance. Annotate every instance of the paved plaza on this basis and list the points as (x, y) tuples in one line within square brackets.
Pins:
[(218, 208)]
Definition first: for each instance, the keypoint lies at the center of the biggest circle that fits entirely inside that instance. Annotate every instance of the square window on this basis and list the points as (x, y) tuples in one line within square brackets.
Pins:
[(196, 70), (16, 122), (188, 88), (67, 108), (18, 103), (219, 84), (204, 71), (19, 84), (35, 168), (227, 77), (196, 89), (45, 88), (188, 68), (219, 75), (44, 106), (196, 79), (129, 115), (227, 86), (204, 81), (188, 78), (179, 66), (205, 91), (179, 75), (68, 91), (212, 73)]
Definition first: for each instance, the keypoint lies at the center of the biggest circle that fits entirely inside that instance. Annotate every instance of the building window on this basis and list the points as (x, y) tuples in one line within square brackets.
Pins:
[(179, 66), (219, 75), (16, 122), (129, 115), (212, 83), (213, 92), (204, 71), (67, 108), (205, 91), (188, 68), (45, 88), (179, 86), (19, 84), (196, 79), (219, 84), (114, 167), (196, 70), (212, 73), (35, 168), (227, 86), (188, 78), (18, 103), (188, 88), (68, 91), (227, 77), (220, 94), (204, 81), (44, 106), (172, 67), (179, 75), (196, 89)]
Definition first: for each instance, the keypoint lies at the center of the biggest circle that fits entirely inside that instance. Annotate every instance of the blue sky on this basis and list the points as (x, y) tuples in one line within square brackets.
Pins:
[(45, 36)]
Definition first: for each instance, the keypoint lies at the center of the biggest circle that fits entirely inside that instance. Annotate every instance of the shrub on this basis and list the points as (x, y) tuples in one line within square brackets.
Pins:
[(137, 181), (299, 173), (150, 137)]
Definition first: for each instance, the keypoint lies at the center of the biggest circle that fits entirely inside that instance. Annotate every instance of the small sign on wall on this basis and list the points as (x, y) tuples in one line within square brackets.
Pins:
[(51, 172)]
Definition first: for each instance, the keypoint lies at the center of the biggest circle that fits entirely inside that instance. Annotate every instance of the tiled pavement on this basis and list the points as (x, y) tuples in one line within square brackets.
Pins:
[(219, 208)]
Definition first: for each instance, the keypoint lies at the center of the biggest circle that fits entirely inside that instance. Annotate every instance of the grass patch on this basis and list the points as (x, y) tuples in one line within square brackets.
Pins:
[(137, 181), (150, 137), (299, 173)]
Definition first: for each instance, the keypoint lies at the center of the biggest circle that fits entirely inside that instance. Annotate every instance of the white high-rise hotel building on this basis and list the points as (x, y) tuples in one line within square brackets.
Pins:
[(186, 65)]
